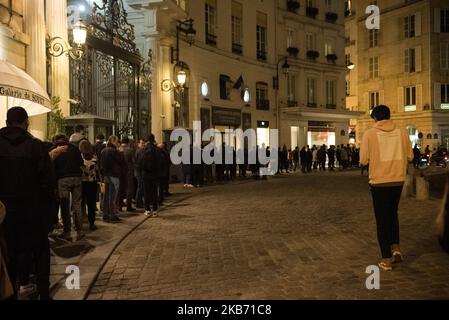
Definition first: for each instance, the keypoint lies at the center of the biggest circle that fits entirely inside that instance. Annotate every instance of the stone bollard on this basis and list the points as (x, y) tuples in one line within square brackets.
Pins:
[(422, 189), (408, 187)]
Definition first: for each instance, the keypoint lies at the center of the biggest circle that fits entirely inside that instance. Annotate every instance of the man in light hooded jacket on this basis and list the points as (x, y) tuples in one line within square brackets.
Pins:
[(387, 150)]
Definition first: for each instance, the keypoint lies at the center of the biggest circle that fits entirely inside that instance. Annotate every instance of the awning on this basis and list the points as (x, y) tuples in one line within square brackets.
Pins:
[(19, 89)]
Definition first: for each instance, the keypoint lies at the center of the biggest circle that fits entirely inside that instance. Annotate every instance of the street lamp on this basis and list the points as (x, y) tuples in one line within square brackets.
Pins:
[(285, 71), (186, 27), (167, 85), (57, 46), (182, 78)]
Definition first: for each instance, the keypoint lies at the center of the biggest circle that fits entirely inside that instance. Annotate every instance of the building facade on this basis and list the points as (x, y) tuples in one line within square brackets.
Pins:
[(404, 65), (235, 68), (312, 95)]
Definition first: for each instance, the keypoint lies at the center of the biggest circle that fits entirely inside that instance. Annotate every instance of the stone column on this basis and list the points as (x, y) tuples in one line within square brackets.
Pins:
[(34, 23), (59, 85)]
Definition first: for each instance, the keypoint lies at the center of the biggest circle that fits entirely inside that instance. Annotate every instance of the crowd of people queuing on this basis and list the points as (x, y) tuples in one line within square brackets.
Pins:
[(43, 183), (318, 158)]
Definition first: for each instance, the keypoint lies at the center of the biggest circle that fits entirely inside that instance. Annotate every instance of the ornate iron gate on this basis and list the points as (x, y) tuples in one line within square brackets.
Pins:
[(107, 82)]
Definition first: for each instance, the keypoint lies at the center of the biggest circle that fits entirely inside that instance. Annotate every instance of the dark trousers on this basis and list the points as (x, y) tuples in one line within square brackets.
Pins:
[(386, 203), (140, 191), (331, 164), (90, 190), (27, 255), (151, 186)]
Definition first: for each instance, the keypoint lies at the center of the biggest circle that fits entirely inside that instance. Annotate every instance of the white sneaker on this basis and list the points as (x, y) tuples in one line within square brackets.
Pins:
[(190, 185), (155, 214), (26, 292), (148, 213)]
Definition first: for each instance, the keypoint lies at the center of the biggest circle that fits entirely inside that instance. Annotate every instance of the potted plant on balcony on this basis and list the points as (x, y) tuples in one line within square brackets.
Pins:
[(312, 54), (331, 17), (293, 51), (332, 57), (293, 6), (312, 12)]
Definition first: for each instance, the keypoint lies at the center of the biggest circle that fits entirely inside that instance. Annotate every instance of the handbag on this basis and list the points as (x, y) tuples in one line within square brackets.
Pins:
[(443, 220)]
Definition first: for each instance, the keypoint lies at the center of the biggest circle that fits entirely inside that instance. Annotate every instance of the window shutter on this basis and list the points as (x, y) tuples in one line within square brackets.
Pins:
[(400, 99), (437, 95), (418, 24), (382, 97), (419, 101), (406, 60), (437, 20), (418, 58)]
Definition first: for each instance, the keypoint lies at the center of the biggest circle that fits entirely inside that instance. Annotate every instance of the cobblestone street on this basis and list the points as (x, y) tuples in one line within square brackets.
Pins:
[(291, 237)]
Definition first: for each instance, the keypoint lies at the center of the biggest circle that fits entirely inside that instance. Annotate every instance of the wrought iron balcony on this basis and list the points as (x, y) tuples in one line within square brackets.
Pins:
[(292, 103), (261, 55), (262, 104), (211, 39), (293, 6), (237, 48), (312, 12), (293, 51)]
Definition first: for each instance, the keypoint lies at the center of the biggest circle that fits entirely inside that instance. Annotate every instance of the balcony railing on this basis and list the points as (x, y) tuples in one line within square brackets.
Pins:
[(292, 103), (211, 39), (293, 51), (263, 104), (293, 6), (331, 58), (331, 17), (311, 104), (312, 12), (261, 55), (312, 55), (237, 48), (331, 106)]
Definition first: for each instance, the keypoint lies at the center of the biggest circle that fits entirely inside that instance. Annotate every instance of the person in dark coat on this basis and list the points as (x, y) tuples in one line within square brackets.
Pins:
[(150, 164), (129, 153), (303, 158), (26, 189), (321, 155), (68, 172), (331, 156), (112, 163), (164, 174), (309, 159), (138, 172)]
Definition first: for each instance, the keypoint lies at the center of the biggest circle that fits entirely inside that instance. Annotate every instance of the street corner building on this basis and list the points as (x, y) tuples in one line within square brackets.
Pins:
[(131, 67), (404, 64)]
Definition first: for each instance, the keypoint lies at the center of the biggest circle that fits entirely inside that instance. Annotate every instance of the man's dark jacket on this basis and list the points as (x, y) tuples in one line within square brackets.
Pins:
[(27, 182), (112, 162), (68, 164)]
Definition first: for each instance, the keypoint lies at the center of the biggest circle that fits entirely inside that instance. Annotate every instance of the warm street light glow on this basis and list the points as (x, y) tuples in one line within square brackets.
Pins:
[(182, 78), (79, 33), (351, 66)]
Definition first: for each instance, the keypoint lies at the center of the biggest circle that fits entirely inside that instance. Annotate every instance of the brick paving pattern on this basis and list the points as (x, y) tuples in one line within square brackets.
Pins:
[(291, 237)]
